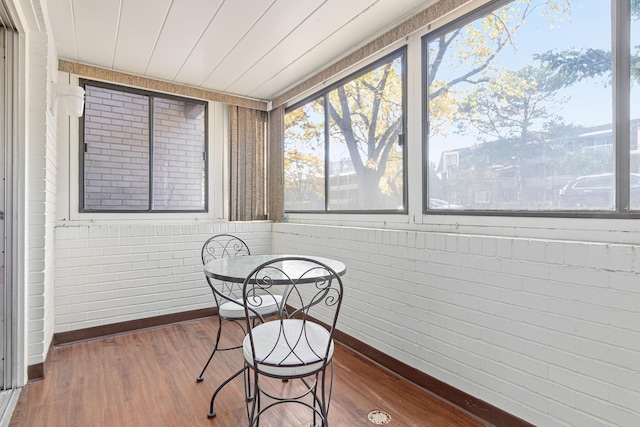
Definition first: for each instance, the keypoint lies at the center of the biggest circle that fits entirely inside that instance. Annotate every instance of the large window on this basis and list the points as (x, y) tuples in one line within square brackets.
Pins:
[(528, 109), (344, 146), (141, 151)]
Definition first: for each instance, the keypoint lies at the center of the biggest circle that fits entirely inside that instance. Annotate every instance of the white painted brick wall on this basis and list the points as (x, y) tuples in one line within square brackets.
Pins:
[(114, 273), (40, 187), (546, 330)]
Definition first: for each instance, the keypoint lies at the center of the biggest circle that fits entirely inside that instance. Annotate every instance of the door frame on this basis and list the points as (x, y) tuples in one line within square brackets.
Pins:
[(13, 111), (8, 109)]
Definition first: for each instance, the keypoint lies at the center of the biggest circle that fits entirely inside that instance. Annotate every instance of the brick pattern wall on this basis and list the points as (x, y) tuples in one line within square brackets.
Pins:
[(178, 163), (116, 162), (546, 330), (40, 187), (114, 273), (117, 152)]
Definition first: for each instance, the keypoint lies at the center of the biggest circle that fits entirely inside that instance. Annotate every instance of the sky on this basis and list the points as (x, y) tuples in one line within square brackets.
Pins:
[(589, 103)]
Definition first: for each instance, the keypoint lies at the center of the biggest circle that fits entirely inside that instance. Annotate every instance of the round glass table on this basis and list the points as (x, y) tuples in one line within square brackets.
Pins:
[(236, 269)]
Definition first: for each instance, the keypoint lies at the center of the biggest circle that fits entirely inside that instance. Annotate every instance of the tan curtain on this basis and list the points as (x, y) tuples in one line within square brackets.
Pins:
[(276, 164), (248, 135)]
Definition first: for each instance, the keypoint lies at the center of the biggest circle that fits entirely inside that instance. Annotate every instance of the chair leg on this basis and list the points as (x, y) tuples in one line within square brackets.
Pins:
[(316, 401), (326, 394), (253, 409), (247, 383), (215, 348), (212, 413), (322, 400)]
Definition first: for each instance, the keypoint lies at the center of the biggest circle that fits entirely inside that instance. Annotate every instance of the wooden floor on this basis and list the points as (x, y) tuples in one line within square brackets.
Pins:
[(147, 378)]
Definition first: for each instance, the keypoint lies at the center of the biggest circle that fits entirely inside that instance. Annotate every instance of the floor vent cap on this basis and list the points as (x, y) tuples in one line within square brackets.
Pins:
[(379, 417)]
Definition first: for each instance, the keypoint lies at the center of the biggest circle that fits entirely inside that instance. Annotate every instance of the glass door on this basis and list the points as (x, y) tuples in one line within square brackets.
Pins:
[(4, 333), (9, 93), (9, 128), (8, 84)]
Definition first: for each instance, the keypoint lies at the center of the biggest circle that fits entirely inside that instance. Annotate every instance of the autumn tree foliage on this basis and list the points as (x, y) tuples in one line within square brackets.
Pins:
[(365, 115)]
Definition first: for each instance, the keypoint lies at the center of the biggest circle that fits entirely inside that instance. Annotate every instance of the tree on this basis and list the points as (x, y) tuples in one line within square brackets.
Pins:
[(304, 159), (498, 111), (572, 66), (575, 65), (476, 45), (510, 105), (366, 113), (366, 116), (304, 180), (511, 110)]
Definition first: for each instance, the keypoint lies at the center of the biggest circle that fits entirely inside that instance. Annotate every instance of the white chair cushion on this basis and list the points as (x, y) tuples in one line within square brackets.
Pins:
[(274, 347), (264, 305)]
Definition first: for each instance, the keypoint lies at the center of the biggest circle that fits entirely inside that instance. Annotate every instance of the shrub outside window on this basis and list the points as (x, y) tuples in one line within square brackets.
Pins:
[(142, 151), (344, 148), (519, 98)]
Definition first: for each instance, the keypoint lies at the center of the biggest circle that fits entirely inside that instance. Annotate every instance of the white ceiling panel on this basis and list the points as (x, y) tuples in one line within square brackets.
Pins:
[(64, 30), (228, 28), (139, 35), (96, 23), (377, 15), (252, 48), (271, 30), (181, 32), (300, 48)]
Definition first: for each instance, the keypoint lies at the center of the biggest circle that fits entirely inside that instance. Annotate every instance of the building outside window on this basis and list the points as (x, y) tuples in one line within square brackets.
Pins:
[(525, 97), (344, 148), (142, 151)]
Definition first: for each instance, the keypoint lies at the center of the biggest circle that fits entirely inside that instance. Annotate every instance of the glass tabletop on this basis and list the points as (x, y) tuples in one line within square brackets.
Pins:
[(236, 269)]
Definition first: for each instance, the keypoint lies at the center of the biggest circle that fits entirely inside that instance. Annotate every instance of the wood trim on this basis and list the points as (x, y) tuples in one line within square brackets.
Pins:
[(467, 403), (479, 409), (38, 371), (63, 338), (112, 76)]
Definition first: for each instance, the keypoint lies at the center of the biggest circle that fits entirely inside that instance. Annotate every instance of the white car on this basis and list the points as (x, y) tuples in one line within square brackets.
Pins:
[(443, 204)]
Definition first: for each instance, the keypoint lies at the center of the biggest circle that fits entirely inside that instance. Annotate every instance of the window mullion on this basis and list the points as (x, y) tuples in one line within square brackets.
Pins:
[(151, 144), (327, 162), (621, 48)]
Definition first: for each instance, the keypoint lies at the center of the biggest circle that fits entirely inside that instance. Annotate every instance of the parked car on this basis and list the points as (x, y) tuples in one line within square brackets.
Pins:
[(443, 204), (595, 192)]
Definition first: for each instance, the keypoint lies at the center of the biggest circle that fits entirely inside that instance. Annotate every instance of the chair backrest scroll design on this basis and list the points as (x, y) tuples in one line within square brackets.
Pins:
[(224, 246), (311, 295)]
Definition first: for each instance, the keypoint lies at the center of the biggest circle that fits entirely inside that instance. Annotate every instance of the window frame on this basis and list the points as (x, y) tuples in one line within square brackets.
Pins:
[(151, 95), (621, 121), (402, 54)]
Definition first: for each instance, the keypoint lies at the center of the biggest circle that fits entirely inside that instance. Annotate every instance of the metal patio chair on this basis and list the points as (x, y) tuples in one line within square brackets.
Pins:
[(296, 343), (228, 299)]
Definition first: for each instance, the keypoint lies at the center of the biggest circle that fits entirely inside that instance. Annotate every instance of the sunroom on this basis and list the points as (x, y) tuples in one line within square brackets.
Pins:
[(473, 163)]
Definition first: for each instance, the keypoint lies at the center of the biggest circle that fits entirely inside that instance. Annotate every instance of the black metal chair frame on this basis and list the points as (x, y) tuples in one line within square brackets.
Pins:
[(216, 247), (300, 298)]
